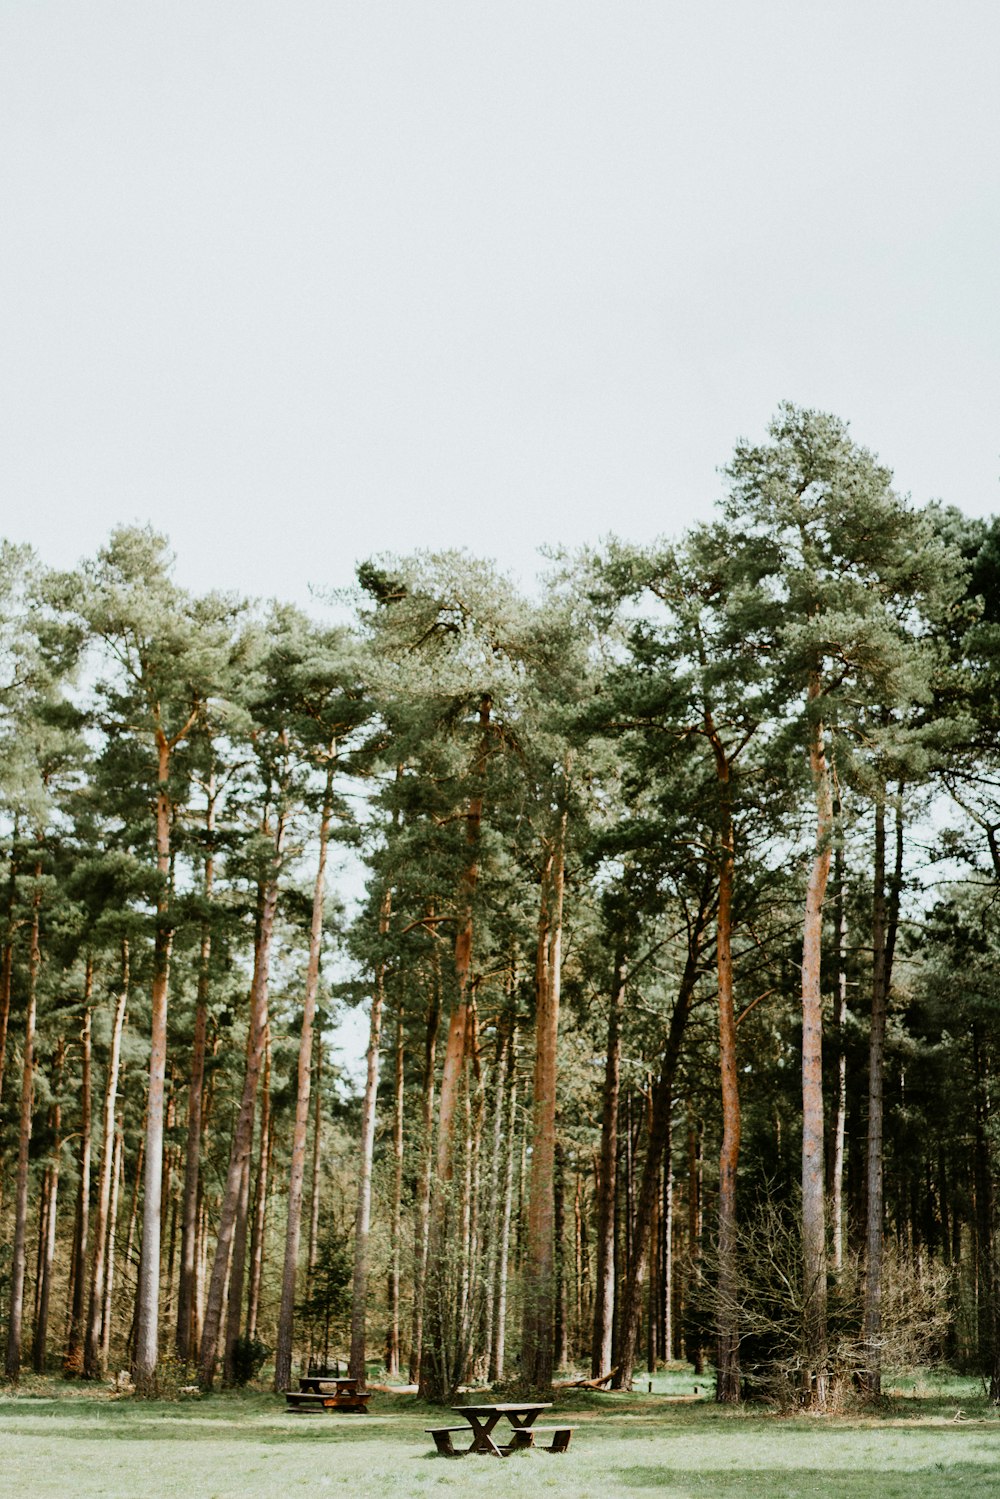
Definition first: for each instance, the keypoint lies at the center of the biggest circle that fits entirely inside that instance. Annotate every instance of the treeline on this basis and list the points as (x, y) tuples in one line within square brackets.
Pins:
[(671, 897)]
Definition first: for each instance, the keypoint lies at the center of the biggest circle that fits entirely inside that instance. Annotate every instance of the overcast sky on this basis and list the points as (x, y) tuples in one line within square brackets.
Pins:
[(308, 280)]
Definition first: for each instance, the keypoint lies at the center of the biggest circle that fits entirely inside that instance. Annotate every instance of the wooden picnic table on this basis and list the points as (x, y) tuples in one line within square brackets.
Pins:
[(327, 1392), (483, 1420)]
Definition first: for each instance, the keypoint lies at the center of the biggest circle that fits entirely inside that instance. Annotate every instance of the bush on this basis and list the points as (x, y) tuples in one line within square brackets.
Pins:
[(249, 1357)]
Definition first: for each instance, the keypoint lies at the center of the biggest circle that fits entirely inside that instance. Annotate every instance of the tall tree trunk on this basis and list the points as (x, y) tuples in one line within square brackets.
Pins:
[(117, 1172), (813, 1192), (73, 1362), (727, 1375), (7, 963), (695, 1224), (885, 917), (148, 1290), (242, 1141), (92, 1365), (604, 1288), (421, 1206), (47, 1236), (659, 1129), (392, 1341), (15, 1319), (237, 1275), (312, 1250), (260, 1196), (500, 1296), (362, 1221), (504, 1028), (296, 1177), (540, 1292), (839, 1026), (196, 1089), (438, 1375)]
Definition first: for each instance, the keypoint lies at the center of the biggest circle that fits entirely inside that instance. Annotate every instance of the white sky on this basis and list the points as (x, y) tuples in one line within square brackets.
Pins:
[(301, 281)]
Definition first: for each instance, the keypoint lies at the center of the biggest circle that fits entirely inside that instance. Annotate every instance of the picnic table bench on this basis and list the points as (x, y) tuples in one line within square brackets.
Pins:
[(327, 1392), (482, 1420)]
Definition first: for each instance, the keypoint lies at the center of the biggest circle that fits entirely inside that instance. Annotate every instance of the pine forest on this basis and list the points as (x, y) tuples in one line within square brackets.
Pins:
[(668, 897)]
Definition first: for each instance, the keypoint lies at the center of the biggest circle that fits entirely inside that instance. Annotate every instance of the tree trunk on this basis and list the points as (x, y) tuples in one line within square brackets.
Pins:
[(237, 1275), (392, 1341), (242, 1141), (148, 1290), (196, 1088), (885, 917), (296, 1177), (260, 1197), (839, 1026), (92, 1365), (362, 1221), (727, 1375), (439, 1376), (659, 1129), (117, 1171), (73, 1362), (813, 1193), (18, 1251), (604, 1288), (500, 1296), (47, 1234), (540, 1287), (421, 1206), (7, 963)]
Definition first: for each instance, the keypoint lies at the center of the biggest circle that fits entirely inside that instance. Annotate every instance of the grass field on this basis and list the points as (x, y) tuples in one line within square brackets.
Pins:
[(63, 1440)]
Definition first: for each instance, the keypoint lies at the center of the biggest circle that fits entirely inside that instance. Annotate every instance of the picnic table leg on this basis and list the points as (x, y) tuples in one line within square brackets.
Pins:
[(482, 1441)]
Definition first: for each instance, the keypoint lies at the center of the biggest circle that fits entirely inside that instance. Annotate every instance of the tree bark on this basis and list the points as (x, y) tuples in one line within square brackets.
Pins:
[(117, 1171), (540, 1290), (839, 1026), (196, 1089), (439, 1377), (500, 1298), (421, 1206), (47, 1234), (92, 1365), (362, 1221), (73, 1362), (296, 1176), (242, 1141), (727, 1376), (18, 1251), (260, 1197), (148, 1290), (659, 1128), (813, 1191), (885, 916), (604, 1288), (392, 1341)]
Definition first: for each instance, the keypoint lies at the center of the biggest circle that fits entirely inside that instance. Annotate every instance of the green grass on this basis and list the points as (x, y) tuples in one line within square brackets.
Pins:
[(65, 1440)]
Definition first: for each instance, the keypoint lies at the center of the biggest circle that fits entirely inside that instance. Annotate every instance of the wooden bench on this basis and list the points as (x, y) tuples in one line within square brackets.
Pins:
[(442, 1439), (560, 1437)]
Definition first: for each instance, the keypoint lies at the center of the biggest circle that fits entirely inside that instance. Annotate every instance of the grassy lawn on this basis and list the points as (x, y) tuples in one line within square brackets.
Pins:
[(59, 1440)]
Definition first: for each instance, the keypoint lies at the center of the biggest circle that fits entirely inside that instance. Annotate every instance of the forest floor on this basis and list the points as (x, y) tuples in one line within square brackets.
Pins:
[(935, 1437)]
